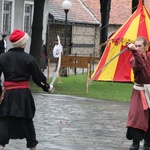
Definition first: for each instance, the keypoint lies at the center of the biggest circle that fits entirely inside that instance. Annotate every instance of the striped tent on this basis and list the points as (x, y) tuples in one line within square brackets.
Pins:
[(119, 69)]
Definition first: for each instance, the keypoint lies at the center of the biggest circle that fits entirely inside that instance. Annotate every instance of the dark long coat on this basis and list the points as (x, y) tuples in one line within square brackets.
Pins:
[(17, 108), (2, 48)]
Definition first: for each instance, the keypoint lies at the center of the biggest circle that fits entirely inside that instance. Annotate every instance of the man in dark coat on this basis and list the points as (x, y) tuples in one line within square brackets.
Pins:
[(3, 44), (138, 125), (43, 56), (17, 106)]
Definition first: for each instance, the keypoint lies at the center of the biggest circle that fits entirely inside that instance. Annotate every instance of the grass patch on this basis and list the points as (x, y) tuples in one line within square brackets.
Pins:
[(76, 85)]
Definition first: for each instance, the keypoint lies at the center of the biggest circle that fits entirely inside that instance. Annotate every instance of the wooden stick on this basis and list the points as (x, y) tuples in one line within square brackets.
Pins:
[(87, 77)]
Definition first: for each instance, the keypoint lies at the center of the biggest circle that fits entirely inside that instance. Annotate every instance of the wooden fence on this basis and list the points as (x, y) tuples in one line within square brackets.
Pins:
[(77, 62)]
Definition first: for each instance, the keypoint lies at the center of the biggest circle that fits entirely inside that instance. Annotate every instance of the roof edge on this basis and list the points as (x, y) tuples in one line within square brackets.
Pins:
[(61, 21), (88, 10)]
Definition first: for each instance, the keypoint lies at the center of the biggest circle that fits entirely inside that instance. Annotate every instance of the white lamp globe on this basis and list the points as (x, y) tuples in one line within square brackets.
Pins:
[(66, 5)]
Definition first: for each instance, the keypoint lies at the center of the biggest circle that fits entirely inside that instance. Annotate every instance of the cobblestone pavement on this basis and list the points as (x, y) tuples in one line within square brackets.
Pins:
[(74, 123)]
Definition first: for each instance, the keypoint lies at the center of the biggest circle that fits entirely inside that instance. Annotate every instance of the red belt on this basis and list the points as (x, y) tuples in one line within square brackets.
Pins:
[(16, 85)]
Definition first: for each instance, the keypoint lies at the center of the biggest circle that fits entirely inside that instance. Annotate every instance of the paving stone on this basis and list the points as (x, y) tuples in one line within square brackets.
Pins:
[(74, 123)]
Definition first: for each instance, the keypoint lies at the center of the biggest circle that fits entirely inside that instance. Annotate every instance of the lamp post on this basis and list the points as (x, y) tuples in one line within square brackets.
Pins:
[(66, 5)]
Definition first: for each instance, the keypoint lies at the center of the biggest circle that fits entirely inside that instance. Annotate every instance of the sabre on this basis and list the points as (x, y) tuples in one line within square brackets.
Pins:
[(124, 50), (59, 62), (58, 67), (51, 90)]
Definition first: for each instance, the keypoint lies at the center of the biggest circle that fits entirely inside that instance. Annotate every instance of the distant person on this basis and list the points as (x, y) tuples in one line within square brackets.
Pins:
[(56, 51), (43, 56), (138, 124), (3, 44), (17, 107)]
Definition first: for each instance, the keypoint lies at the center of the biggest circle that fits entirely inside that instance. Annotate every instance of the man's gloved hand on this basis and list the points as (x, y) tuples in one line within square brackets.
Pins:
[(45, 87)]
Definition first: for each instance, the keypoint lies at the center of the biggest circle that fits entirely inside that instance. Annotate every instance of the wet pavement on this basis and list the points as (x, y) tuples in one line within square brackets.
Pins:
[(73, 123)]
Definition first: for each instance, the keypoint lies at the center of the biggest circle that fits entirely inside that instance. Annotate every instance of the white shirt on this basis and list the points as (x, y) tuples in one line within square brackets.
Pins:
[(57, 48)]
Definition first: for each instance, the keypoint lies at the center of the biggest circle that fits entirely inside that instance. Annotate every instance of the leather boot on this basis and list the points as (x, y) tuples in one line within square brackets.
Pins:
[(146, 146), (135, 145)]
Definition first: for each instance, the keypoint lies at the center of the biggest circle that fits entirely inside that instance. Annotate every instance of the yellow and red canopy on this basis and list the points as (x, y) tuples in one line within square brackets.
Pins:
[(119, 69)]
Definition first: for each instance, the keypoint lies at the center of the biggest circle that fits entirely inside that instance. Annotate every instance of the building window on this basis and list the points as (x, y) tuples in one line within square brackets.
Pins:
[(7, 17), (28, 18)]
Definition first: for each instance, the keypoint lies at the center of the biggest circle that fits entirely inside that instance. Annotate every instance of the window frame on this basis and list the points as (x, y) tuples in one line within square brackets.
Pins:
[(11, 16), (28, 3)]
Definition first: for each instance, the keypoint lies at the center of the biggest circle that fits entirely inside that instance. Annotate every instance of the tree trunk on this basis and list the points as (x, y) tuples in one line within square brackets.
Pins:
[(134, 5), (104, 10), (37, 27)]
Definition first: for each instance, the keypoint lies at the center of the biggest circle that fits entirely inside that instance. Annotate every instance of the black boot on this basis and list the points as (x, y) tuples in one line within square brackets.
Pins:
[(146, 146), (135, 145)]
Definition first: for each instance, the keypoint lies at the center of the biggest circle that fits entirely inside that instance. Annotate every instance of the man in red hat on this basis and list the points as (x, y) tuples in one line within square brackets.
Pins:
[(17, 106)]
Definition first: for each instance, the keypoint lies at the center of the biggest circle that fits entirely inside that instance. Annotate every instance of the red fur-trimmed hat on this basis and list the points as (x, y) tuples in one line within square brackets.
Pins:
[(18, 38)]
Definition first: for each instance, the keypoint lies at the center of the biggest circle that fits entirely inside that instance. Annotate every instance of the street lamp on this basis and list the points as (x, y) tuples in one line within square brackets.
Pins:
[(66, 5)]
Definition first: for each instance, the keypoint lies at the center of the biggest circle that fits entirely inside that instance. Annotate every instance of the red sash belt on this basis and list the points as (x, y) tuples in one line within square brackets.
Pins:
[(15, 85)]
